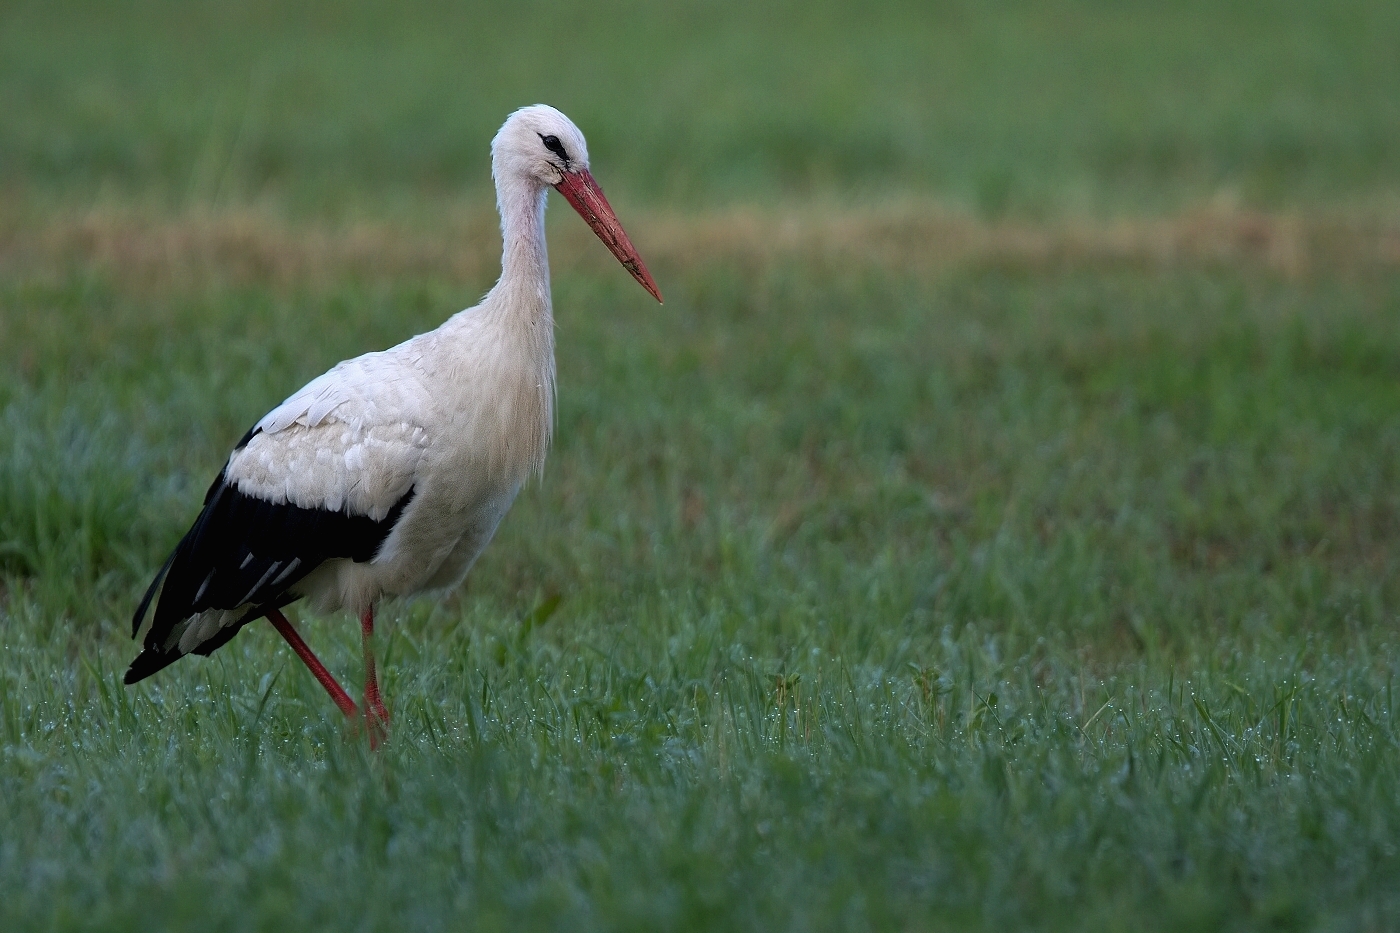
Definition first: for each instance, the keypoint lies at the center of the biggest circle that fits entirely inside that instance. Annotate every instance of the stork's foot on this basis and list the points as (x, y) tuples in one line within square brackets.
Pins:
[(377, 725), (376, 716), (313, 663)]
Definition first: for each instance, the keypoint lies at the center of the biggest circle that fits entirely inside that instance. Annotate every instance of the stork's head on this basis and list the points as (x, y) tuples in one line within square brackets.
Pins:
[(539, 145)]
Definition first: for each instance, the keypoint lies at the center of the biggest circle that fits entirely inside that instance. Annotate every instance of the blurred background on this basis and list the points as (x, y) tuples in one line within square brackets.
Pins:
[(1024, 107)]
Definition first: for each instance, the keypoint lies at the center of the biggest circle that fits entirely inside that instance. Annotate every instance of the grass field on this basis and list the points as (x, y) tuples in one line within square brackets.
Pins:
[(996, 529)]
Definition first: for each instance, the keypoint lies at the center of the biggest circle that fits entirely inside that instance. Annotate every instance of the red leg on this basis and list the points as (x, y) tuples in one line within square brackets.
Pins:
[(318, 670), (376, 716)]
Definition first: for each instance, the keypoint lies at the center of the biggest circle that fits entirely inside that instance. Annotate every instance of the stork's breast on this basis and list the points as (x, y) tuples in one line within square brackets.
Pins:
[(442, 534)]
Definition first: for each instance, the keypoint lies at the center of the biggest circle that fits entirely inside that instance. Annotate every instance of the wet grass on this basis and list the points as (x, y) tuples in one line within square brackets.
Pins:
[(1052, 595), (916, 566)]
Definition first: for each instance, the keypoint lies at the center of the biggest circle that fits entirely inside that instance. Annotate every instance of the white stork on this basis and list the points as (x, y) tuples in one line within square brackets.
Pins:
[(389, 474)]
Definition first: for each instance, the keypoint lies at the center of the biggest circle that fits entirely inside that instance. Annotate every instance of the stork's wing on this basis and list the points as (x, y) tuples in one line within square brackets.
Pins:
[(325, 475)]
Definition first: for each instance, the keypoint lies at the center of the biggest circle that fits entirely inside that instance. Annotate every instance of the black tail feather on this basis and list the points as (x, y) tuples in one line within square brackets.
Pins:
[(140, 616), (148, 662), (241, 551)]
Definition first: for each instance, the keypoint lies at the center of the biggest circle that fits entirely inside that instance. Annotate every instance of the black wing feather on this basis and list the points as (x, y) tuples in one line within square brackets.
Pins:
[(247, 551)]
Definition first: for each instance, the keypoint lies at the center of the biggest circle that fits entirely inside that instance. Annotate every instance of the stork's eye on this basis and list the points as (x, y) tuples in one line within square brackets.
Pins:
[(553, 144)]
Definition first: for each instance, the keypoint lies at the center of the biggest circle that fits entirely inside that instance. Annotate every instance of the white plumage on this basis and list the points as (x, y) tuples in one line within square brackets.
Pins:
[(389, 474)]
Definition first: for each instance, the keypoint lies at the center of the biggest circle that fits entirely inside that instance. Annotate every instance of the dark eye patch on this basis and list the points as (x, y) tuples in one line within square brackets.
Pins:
[(553, 144)]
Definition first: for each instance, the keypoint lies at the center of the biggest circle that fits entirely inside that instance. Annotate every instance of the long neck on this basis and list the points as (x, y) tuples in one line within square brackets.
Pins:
[(520, 323), (524, 282)]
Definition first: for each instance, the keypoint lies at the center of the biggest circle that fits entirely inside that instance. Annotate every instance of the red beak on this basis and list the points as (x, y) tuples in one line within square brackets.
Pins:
[(580, 190)]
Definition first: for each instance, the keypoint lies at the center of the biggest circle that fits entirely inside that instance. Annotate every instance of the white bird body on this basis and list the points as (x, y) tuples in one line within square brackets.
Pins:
[(364, 434), (389, 474)]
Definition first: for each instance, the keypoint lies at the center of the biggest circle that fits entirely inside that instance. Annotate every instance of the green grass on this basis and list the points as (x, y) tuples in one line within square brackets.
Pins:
[(935, 558)]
